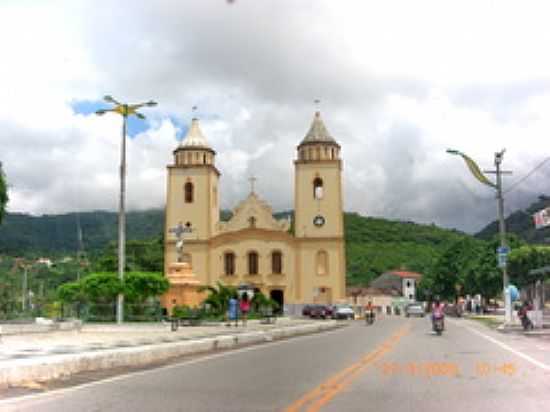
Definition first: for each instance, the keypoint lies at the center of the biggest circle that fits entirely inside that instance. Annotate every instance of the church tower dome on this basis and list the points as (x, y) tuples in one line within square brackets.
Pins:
[(318, 144), (194, 149)]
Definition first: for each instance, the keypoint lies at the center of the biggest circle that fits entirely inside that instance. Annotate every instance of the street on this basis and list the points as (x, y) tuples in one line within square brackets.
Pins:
[(395, 364)]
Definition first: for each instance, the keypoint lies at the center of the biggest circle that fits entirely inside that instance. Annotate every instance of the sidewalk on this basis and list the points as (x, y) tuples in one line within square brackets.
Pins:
[(45, 356), (497, 322)]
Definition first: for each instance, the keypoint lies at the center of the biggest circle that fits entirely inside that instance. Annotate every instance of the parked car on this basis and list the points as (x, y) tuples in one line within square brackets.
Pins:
[(343, 312), (321, 311), (415, 309), (306, 310)]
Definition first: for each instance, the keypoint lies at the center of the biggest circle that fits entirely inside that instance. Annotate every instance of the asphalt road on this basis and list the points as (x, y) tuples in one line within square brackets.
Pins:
[(394, 365)]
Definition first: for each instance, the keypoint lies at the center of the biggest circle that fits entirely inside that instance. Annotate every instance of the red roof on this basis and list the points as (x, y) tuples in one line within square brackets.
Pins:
[(406, 274)]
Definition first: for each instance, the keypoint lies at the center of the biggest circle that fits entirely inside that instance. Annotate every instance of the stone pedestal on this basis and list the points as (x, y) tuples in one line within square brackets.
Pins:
[(184, 287)]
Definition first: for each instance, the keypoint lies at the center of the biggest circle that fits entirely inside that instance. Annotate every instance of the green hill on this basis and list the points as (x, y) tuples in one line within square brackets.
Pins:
[(521, 224), (22, 234), (373, 245)]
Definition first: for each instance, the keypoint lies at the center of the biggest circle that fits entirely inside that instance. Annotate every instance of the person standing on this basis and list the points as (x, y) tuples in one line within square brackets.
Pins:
[(245, 307), (232, 312)]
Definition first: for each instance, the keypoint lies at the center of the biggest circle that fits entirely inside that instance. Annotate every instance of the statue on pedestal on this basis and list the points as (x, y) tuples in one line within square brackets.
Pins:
[(179, 230)]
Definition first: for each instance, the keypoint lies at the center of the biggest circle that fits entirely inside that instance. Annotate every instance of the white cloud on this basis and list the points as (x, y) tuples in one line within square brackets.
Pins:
[(399, 83)]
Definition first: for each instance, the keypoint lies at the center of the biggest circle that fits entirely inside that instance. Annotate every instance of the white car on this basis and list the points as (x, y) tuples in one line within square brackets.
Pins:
[(343, 312)]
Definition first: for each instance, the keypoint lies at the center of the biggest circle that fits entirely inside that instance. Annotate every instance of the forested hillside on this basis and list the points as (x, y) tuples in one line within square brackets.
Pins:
[(56, 235), (521, 224), (373, 245)]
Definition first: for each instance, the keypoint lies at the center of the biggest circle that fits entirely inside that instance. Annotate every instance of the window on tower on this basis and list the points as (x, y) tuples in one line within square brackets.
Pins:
[(318, 188), (188, 189), (229, 263), (252, 263)]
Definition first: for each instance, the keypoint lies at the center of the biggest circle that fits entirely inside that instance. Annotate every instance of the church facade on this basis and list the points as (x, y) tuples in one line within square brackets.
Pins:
[(292, 262)]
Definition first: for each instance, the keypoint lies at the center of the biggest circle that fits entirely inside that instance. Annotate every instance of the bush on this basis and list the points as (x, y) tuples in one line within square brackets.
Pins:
[(183, 311)]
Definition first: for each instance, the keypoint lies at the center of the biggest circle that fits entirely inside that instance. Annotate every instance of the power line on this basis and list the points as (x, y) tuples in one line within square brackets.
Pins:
[(527, 175)]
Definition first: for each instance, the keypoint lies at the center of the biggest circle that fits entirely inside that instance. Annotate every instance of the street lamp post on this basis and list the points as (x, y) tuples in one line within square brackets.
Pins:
[(474, 168), (124, 110)]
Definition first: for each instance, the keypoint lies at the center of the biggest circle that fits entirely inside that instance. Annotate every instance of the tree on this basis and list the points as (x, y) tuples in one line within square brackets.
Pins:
[(3, 193), (102, 287), (219, 298), (525, 259), (139, 286), (71, 292)]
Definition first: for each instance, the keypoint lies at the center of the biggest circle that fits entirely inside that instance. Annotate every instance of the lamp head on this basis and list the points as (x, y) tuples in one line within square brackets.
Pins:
[(109, 98), (100, 112), (151, 103), (453, 151)]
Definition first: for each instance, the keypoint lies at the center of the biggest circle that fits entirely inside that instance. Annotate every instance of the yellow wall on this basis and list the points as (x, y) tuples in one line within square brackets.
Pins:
[(330, 206)]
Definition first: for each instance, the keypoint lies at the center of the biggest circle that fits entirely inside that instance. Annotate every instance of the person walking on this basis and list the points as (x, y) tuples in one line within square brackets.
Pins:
[(245, 308), (232, 311)]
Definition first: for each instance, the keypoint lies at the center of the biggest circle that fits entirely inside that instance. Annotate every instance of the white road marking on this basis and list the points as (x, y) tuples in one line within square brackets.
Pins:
[(510, 349), (57, 392)]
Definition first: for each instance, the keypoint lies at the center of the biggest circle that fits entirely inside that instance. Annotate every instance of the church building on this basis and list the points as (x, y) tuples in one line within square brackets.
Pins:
[(292, 262)]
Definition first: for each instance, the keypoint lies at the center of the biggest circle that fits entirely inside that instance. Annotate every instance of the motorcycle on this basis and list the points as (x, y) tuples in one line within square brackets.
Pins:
[(369, 317), (526, 322), (438, 324)]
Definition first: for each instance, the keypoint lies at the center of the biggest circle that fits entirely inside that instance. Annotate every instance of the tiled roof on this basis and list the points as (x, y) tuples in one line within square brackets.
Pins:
[(194, 137), (406, 274), (318, 132)]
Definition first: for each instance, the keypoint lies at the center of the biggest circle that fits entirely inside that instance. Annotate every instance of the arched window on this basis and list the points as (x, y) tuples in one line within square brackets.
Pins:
[(318, 188), (229, 263), (188, 192), (252, 263), (204, 159), (277, 262), (332, 153), (322, 263)]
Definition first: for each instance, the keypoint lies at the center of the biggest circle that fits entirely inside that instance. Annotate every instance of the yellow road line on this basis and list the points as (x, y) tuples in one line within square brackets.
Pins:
[(326, 391)]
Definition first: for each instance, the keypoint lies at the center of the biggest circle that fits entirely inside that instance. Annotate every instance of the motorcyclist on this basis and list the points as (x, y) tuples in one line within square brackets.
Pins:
[(522, 314), (438, 311)]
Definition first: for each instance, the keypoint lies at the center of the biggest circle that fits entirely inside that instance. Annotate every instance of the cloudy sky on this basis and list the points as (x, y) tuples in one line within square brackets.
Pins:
[(399, 82)]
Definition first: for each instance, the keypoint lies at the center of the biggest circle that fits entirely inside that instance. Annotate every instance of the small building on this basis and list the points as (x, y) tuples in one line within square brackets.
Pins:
[(44, 261), (398, 283)]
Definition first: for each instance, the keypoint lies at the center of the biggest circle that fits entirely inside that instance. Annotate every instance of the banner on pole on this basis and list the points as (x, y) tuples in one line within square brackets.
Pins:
[(542, 218), (476, 171)]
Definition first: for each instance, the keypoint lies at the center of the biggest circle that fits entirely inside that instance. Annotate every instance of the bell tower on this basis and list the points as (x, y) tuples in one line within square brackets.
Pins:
[(192, 197), (318, 185), (318, 217)]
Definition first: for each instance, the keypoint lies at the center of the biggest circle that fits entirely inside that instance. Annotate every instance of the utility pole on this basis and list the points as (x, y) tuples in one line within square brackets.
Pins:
[(503, 250), (502, 234), (24, 294)]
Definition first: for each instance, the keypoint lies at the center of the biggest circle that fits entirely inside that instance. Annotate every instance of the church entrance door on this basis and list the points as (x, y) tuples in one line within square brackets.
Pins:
[(278, 296)]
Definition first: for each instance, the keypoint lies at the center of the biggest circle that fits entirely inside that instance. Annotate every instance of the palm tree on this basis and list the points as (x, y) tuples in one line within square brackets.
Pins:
[(219, 297)]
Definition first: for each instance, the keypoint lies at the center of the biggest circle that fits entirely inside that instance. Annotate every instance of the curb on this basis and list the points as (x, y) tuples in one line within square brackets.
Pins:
[(63, 366)]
